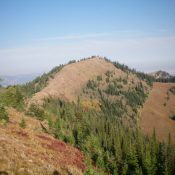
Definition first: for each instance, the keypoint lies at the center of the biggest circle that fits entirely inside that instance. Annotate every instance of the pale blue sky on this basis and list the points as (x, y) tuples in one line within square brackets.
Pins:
[(37, 35)]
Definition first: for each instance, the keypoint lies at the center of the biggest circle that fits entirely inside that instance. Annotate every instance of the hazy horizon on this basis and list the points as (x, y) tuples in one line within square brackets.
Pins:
[(172, 72), (36, 36)]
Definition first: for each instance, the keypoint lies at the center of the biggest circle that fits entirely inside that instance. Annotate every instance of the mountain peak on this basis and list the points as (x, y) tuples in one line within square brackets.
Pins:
[(67, 83)]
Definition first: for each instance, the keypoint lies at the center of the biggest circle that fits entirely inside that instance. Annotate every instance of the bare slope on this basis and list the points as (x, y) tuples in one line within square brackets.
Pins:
[(29, 151), (159, 106), (67, 83)]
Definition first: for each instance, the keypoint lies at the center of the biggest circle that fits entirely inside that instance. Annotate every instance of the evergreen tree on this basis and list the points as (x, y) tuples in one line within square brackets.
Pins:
[(162, 160)]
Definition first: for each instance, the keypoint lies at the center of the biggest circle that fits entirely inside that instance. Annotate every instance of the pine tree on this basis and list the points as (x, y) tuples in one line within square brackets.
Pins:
[(162, 162), (170, 157), (132, 161), (147, 169)]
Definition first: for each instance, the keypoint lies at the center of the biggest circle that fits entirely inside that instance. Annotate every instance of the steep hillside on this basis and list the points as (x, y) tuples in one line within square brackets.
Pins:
[(96, 81), (26, 149), (124, 93), (158, 109), (67, 83)]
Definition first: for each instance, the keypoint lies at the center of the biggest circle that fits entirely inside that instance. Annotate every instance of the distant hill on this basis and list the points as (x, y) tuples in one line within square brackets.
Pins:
[(17, 79), (163, 76), (160, 74)]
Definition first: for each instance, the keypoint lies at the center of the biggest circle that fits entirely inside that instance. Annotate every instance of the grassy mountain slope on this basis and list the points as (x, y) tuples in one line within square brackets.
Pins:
[(124, 93), (67, 83), (158, 109), (26, 149), (95, 81)]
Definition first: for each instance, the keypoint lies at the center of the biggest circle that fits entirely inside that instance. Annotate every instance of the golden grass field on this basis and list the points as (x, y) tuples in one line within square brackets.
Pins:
[(157, 110)]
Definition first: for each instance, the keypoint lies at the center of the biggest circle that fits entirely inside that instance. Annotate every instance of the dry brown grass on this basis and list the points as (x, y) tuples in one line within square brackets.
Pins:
[(68, 83), (157, 111), (29, 151)]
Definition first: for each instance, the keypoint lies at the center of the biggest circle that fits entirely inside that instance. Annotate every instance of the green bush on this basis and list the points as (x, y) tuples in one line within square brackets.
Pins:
[(107, 79), (22, 123), (3, 113), (99, 78), (91, 84), (12, 96), (108, 73), (36, 111), (112, 90), (173, 117)]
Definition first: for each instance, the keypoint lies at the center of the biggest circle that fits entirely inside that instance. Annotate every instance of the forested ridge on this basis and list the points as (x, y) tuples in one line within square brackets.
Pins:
[(109, 135)]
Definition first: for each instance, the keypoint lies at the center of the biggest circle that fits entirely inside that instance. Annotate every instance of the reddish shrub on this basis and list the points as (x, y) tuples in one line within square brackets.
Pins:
[(22, 133)]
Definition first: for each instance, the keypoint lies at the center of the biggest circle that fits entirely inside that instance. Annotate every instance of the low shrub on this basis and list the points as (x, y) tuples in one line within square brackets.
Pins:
[(36, 111), (13, 97), (3, 113), (173, 117), (22, 123)]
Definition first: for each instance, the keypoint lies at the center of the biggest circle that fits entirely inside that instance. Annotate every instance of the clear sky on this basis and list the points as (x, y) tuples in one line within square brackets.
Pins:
[(36, 35)]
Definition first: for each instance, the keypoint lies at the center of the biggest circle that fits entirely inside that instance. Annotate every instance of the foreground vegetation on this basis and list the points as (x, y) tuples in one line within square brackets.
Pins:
[(109, 145)]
